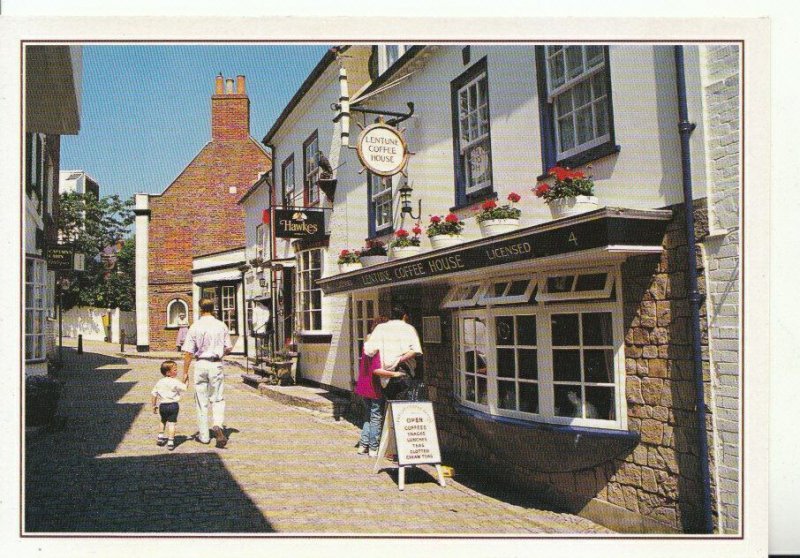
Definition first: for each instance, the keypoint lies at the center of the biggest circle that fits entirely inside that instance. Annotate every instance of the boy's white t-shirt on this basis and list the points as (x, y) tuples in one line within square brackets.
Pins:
[(169, 390)]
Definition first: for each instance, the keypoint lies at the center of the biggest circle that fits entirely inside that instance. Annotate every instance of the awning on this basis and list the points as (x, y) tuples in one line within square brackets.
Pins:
[(593, 238)]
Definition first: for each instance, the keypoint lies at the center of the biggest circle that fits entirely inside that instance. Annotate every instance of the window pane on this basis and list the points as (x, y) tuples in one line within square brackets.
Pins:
[(316, 299), (564, 104), (567, 401), (601, 117), (505, 363), (591, 282), (482, 397), (566, 131), (470, 388), (507, 395), (597, 329), (567, 365), (598, 85), (564, 329), (560, 284), (583, 119), (594, 55), (528, 398), (504, 330), (317, 323), (582, 93), (499, 288), (526, 330), (598, 365), (518, 288), (600, 403), (469, 361), (469, 292), (557, 70), (528, 365), (574, 61)]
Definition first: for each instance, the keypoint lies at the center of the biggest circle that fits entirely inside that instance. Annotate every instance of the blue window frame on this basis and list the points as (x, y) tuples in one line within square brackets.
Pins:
[(472, 145), (574, 85)]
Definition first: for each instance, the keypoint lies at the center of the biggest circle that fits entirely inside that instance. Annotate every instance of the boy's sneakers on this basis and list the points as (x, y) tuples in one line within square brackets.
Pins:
[(170, 445), (373, 453), (220, 436), (161, 440)]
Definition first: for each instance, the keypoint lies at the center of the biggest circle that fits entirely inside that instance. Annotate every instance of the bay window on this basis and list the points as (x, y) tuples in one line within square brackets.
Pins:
[(558, 362)]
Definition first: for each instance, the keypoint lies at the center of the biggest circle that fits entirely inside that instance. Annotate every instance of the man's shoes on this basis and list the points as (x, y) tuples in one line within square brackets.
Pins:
[(219, 435), (362, 450), (161, 440)]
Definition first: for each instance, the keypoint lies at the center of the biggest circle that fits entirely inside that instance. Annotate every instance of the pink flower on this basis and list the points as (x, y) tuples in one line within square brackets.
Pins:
[(452, 218), (344, 253), (435, 219), (513, 197)]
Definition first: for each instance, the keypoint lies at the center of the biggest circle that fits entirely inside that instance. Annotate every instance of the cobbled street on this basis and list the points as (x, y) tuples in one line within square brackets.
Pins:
[(285, 470)]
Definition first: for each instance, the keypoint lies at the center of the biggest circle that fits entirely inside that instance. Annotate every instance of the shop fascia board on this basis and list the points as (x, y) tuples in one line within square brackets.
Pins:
[(611, 235)]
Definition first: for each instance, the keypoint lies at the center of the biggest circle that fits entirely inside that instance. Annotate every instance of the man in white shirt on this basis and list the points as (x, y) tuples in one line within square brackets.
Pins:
[(208, 341), (397, 341)]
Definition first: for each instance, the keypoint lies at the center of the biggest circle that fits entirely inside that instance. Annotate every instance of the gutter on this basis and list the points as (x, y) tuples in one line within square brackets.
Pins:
[(686, 128)]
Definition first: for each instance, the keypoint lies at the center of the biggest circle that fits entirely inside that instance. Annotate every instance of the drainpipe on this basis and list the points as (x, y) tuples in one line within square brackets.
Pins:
[(686, 128)]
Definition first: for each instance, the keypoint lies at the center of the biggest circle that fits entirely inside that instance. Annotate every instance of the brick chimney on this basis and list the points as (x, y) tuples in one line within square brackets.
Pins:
[(230, 110)]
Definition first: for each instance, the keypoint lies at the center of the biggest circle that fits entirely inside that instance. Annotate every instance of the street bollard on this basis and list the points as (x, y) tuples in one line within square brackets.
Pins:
[(80, 344), (122, 340)]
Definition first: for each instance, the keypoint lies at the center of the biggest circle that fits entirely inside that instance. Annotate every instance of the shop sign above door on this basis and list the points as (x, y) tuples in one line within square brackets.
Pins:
[(382, 149), (308, 224), (60, 258)]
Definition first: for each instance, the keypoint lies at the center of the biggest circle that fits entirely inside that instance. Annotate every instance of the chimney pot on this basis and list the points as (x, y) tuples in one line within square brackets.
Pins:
[(229, 86), (219, 86), (240, 85)]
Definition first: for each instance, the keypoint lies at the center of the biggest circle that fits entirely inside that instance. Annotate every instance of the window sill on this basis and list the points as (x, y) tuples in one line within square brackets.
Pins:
[(547, 447), (585, 157)]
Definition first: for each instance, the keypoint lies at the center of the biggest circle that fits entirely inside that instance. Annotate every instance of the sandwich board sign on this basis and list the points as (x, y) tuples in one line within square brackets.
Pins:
[(409, 430)]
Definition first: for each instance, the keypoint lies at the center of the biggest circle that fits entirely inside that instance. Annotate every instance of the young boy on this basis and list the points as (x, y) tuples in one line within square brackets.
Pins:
[(165, 396)]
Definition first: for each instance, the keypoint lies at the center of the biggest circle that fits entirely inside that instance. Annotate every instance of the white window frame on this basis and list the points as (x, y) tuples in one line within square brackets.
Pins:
[(35, 310), (306, 285), (488, 296), (542, 295), (260, 241), (362, 318), (455, 297), (289, 196), (381, 198), (311, 169), (384, 60), (474, 136), (228, 308), (173, 322), (544, 347), (554, 91)]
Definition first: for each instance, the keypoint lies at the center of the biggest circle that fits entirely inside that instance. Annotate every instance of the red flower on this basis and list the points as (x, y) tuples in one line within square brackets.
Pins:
[(401, 233), (560, 173), (488, 205), (344, 253), (452, 218), (513, 197), (541, 190), (435, 219), (416, 230)]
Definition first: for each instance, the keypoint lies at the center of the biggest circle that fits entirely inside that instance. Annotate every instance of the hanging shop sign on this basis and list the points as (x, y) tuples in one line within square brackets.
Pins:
[(382, 149), (60, 258), (308, 224), (603, 228)]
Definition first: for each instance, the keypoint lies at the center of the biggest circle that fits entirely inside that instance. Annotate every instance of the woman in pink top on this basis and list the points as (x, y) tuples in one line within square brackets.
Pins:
[(369, 388)]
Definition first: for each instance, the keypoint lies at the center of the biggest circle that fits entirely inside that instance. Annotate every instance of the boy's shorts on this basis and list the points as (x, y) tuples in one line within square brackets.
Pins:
[(168, 412)]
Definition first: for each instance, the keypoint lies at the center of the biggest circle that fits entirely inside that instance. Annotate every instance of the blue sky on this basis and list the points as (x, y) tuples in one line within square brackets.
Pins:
[(147, 108)]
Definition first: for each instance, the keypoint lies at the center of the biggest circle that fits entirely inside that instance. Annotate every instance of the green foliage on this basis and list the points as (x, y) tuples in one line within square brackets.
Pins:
[(94, 226)]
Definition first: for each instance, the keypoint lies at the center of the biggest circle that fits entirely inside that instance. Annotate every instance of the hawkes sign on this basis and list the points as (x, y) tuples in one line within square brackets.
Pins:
[(307, 224)]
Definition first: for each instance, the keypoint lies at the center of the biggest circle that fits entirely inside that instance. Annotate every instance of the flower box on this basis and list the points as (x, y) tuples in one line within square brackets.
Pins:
[(398, 252), (348, 267), (491, 227), (445, 240), (566, 207), (374, 260)]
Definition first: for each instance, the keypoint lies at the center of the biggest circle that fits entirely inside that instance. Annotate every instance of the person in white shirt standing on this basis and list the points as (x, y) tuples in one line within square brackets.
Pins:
[(399, 345), (207, 342), (164, 399)]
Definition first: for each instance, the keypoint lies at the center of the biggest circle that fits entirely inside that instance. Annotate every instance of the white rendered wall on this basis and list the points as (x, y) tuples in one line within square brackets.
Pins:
[(142, 272)]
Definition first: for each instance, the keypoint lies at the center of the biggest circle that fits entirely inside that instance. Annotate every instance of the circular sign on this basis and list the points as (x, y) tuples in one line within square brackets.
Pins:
[(382, 150)]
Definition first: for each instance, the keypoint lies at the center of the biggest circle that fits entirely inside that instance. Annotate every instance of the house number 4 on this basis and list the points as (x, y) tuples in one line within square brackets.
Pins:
[(572, 238)]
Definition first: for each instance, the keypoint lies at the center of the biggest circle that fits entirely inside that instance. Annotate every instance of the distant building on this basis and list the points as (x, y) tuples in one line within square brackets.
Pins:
[(197, 217), (77, 181), (52, 103)]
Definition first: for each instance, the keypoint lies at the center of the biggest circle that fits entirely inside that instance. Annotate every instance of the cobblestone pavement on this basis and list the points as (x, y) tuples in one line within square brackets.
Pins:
[(285, 470)]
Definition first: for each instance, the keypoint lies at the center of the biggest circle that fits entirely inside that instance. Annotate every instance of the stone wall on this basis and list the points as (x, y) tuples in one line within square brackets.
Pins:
[(722, 98), (653, 487)]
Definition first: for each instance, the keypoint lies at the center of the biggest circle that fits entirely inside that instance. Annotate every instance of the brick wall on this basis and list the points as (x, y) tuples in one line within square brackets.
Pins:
[(198, 214), (721, 90), (653, 486)]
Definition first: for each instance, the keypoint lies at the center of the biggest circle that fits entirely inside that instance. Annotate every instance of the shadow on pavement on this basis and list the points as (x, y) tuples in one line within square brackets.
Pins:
[(74, 483)]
